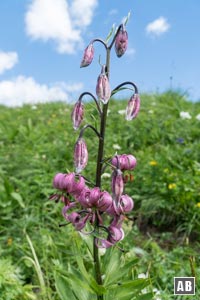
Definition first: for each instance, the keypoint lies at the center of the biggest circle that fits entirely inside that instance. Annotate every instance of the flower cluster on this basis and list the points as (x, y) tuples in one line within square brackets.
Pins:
[(84, 205)]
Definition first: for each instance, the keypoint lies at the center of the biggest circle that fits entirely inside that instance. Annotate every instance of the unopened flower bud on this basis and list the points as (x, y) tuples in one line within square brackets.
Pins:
[(121, 41), (133, 107), (103, 87), (117, 184), (80, 155), (77, 114), (88, 56)]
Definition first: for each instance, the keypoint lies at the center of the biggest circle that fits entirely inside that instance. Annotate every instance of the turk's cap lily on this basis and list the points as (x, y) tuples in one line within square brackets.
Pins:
[(77, 114), (95, 194), (103, 90), (77, 220), (84, 198), (87, 56), (126, 203), (133, 107), (121, 41), (124, 162), (105, 201), (80, 155), (115, 234), (68, 182)]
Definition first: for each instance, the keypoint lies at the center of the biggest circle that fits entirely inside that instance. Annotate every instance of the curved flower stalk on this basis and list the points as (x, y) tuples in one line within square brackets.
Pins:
[(78, 110), (104, 211)]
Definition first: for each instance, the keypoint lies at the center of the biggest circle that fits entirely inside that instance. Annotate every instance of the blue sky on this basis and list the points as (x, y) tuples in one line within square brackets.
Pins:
[(42, 43)]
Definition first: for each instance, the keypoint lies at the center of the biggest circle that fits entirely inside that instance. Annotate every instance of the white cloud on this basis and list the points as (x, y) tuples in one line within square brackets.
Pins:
[(59, 21), (7, 60), (158, 26), (25, 90)]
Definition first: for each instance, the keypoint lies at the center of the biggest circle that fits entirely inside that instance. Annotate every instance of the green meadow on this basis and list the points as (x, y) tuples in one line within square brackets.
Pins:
[(40, 259)]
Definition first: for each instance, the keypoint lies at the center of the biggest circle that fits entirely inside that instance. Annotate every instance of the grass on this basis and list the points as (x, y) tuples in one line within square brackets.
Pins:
[(37, 141)]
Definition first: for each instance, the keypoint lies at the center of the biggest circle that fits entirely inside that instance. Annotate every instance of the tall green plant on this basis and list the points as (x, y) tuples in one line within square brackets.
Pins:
[(89, 208)]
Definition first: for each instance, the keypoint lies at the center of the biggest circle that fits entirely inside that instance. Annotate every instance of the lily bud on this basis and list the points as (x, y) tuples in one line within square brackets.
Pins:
[(117, 184), (77, 114), (80, 155), (133, 107), (88, 56), (103, 87), (121, 41)]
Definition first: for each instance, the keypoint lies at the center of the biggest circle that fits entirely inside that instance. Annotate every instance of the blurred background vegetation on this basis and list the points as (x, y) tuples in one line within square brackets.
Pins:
[(37, 141)]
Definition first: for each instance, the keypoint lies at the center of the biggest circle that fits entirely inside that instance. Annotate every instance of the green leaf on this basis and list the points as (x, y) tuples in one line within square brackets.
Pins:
[(63, 288), (80, 287), (127, 18), (110, 33), (128, 289), (99, 289), (18, 198), (124, 270), (148, 296)]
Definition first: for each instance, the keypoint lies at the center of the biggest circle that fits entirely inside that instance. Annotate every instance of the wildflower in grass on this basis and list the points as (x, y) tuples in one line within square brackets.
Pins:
[(150, 111), (171, 186), (88, 56), (116, 147), (121, 41), (122, 112), (133, 107), (80, 155), (198, 117), (103, 90), (180, 140), (106, 175), (9, 241), (185, 115), (153, 163), (77, 114), (198, 204)]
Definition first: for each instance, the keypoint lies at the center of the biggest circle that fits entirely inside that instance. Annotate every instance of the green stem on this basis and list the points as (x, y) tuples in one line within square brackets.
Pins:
[(98, 177)]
